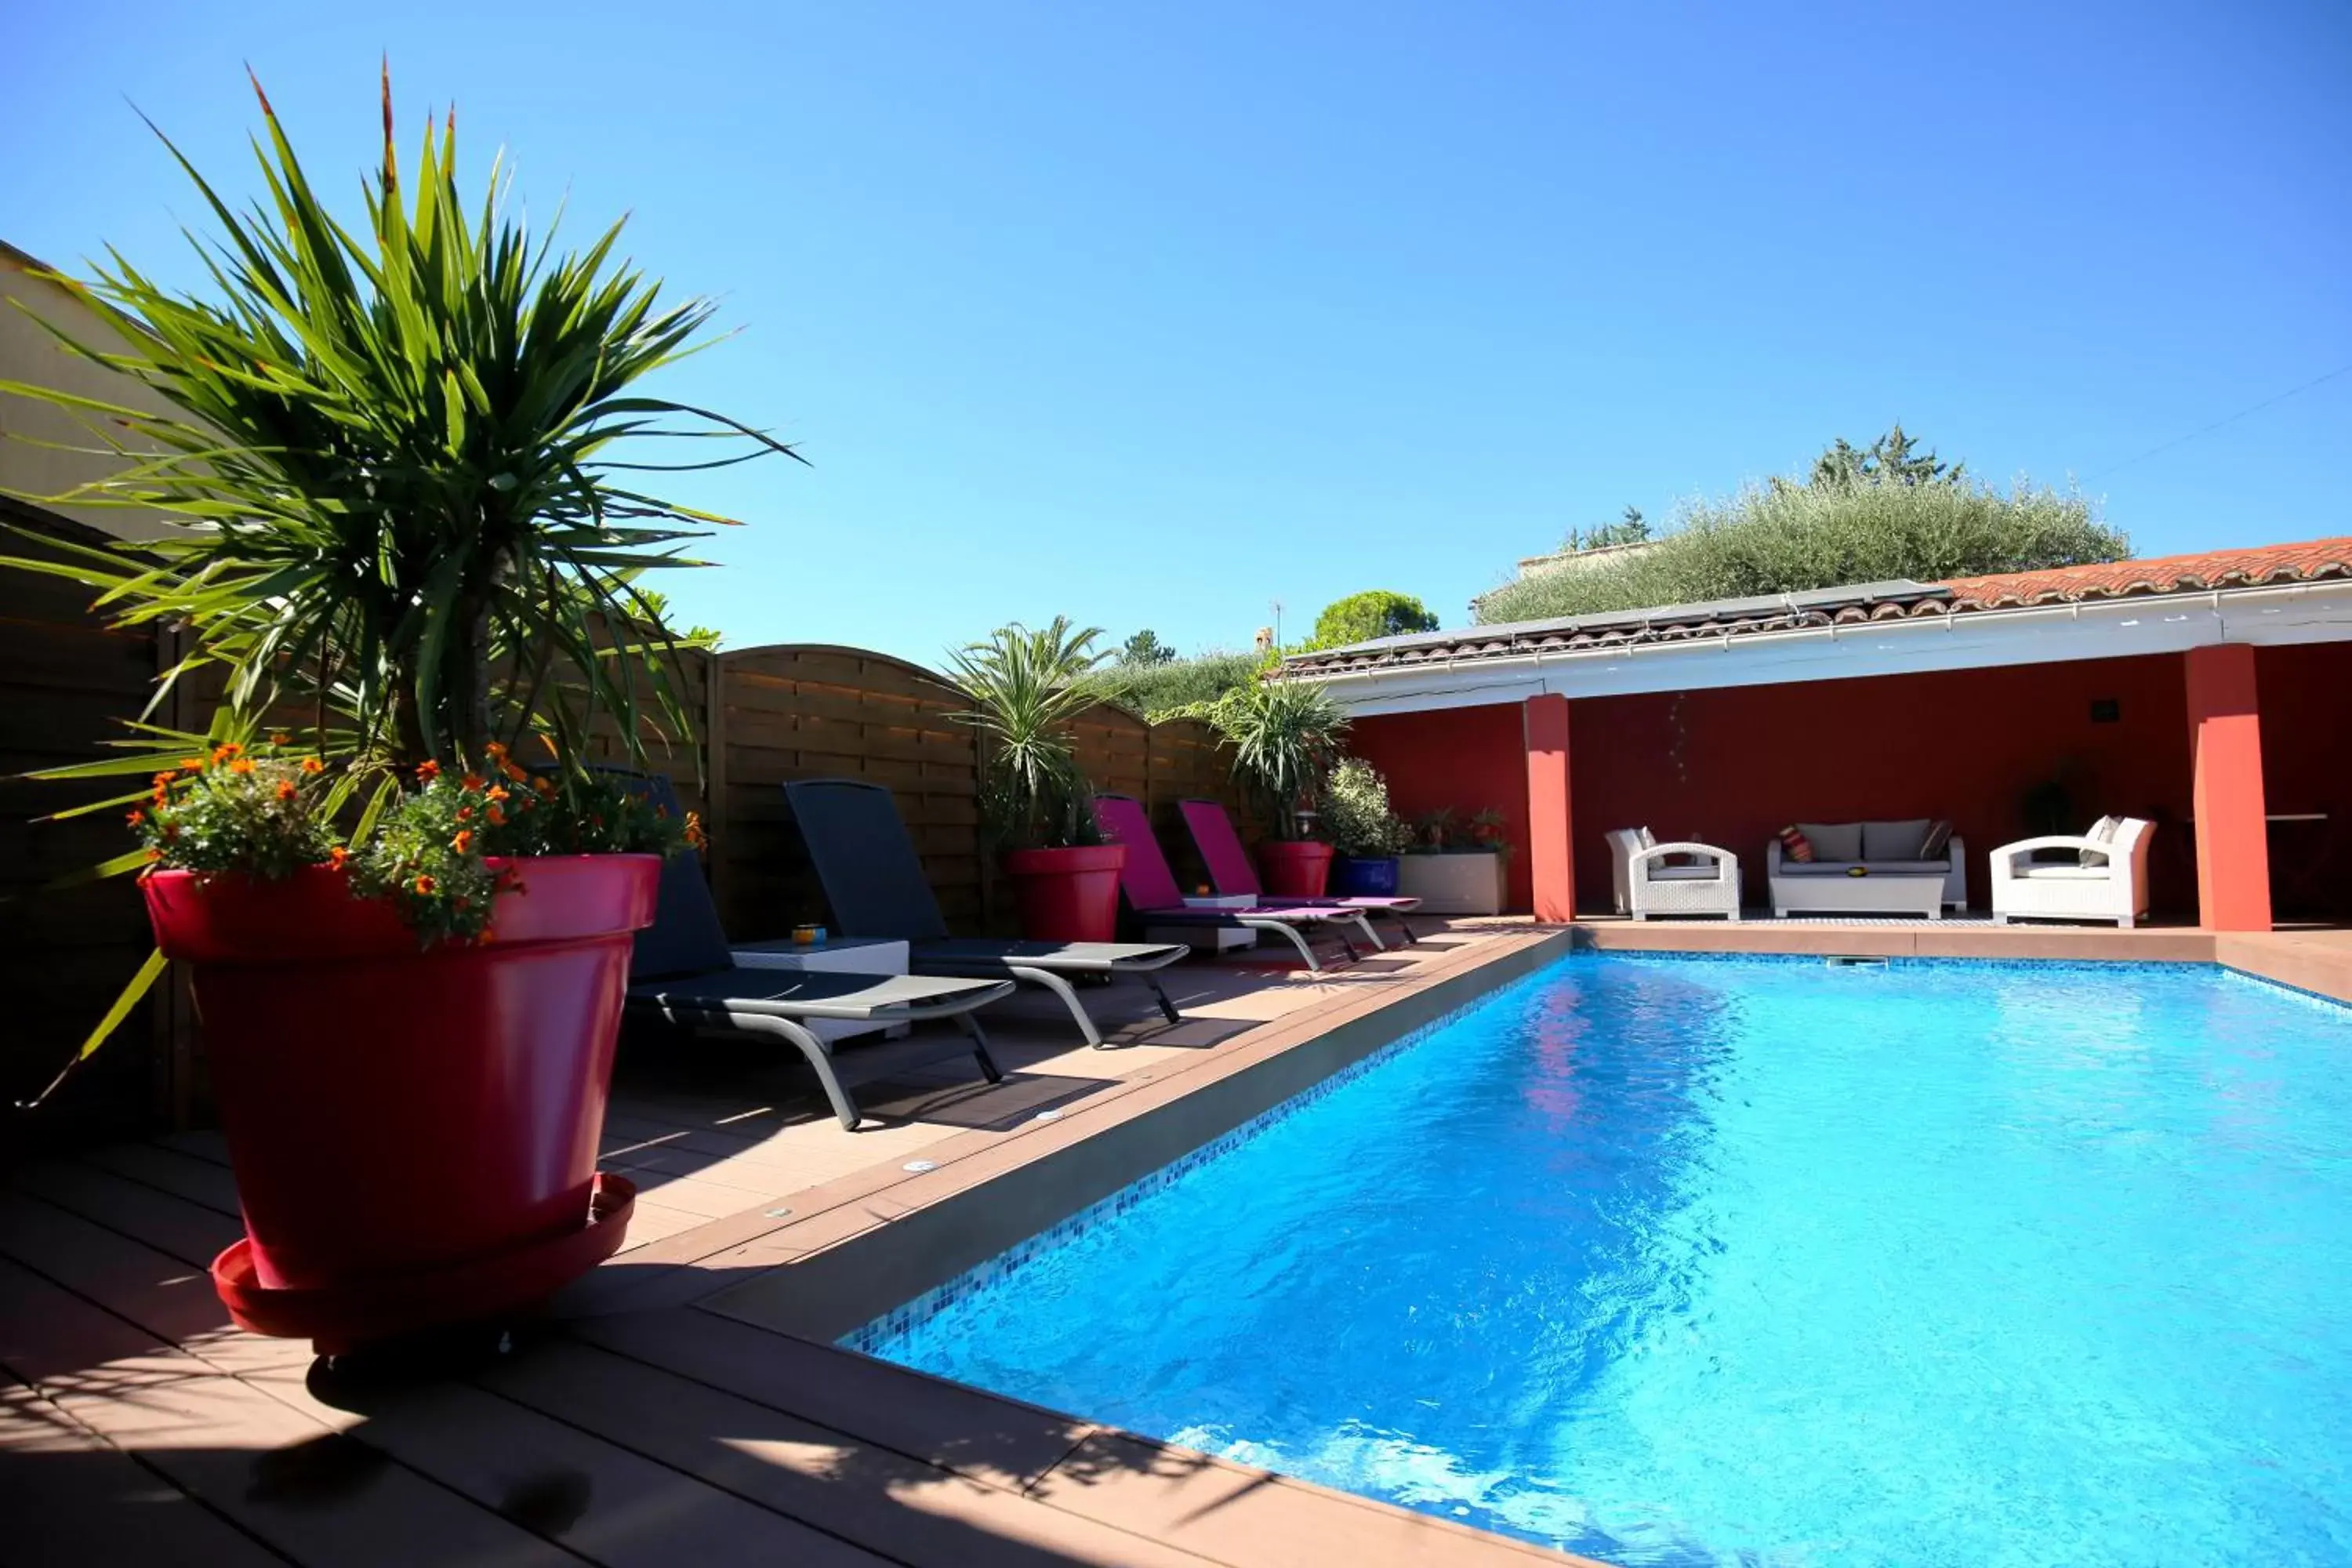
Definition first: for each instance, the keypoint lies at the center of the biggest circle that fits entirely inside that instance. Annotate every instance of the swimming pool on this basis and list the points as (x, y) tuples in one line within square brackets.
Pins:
[(1683, 1260)]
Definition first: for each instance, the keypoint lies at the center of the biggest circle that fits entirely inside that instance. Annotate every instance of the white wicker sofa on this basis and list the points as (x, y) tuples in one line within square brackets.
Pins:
[(2105, 878), (1867, 868)]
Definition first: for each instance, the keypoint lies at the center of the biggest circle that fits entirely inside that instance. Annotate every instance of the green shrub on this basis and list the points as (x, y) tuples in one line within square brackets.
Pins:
[(1375, 612), (1183, 687), (1780, 538), (1356, 815)]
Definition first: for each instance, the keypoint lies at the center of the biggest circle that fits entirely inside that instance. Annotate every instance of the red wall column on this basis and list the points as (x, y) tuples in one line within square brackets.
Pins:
[(1549, 858), (2225, 739)]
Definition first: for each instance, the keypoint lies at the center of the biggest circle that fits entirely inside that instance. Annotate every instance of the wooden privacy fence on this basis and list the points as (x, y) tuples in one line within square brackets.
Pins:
[(765, 716)]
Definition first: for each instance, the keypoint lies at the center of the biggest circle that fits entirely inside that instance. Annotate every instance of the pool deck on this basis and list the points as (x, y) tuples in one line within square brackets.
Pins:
[(684, 1405), (666, 1417)]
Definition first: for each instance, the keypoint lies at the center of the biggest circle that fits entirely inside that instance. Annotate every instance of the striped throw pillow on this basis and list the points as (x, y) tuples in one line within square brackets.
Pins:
[(1795, 846)]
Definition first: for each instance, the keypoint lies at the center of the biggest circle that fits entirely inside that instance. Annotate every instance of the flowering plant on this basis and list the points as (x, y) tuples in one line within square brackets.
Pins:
[(263, 813)]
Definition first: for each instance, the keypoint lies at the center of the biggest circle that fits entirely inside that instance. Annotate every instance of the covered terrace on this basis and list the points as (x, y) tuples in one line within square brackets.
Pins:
[(2209, 694)]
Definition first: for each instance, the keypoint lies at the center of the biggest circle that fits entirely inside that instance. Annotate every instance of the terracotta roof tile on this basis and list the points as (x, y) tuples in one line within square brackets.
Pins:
[(2251, 568), (2310, 561)]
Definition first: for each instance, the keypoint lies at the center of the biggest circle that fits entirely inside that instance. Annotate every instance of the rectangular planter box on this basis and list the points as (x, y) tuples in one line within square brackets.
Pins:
[(1453, 884)]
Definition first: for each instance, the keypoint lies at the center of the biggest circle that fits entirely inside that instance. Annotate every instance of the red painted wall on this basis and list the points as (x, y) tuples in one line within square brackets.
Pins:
[(2305, 693), (1466, 758), (1733, 766)]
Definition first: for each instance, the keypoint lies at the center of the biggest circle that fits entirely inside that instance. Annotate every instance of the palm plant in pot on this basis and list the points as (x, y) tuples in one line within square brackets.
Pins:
[(1286, 740), (400, 538), (1026, 687), (1368, 836)]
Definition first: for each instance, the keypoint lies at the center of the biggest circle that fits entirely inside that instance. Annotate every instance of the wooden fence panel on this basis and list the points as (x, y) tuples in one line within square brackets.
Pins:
[(66, 682), (798, 712)]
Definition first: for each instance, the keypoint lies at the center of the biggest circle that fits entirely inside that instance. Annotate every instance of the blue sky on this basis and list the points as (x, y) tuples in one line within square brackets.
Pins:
[(1153, 314)]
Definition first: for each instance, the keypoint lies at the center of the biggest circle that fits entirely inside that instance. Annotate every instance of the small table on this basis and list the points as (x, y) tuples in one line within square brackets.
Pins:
[(839, 955), (1880, 894)]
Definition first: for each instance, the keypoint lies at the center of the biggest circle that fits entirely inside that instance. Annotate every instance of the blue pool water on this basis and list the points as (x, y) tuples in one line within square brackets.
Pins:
[(1697, 1261)]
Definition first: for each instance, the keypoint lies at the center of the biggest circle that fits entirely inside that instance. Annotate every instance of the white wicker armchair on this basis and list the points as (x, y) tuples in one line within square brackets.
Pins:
[(2106, 880), (1645, 885)]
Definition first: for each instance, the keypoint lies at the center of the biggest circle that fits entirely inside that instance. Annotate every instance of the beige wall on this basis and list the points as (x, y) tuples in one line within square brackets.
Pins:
[(30, 355)]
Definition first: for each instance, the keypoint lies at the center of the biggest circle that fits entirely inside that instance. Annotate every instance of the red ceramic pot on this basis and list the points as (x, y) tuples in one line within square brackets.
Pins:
[(1294, 868), (395, 1112), (1068, 895)]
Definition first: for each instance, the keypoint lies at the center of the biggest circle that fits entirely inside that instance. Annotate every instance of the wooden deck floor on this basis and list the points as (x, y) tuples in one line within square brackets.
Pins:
[(138, 1426), (667, 1418)]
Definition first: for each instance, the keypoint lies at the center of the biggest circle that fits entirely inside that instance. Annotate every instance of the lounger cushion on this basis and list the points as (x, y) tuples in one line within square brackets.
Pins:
[(986, 954), (1894, 840), (795, 994), (2059, 872), (1834, 840)]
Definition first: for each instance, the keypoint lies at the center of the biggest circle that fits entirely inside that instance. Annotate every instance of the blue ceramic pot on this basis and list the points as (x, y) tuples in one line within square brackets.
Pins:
[(1355, 878)]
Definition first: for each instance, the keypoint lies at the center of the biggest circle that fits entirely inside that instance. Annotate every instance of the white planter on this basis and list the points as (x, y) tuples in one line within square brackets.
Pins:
[(1453, 884)]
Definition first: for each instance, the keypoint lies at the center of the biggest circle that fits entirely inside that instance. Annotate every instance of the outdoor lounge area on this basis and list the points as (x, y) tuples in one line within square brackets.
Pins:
[(624, 959), (2198, 699)]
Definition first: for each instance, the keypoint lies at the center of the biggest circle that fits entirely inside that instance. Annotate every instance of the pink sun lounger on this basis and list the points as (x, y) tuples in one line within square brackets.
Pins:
[(1231, 873), (1150, 889)]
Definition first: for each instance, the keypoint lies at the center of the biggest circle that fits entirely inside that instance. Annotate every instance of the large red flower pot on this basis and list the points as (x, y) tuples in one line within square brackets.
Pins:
[(413, 1131), (1294, 868), (1068, 895)]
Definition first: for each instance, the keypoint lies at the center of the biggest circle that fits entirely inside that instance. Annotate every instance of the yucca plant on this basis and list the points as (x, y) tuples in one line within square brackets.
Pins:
[(1025, 686), (396, 465), (393, 463), (1285, 739)]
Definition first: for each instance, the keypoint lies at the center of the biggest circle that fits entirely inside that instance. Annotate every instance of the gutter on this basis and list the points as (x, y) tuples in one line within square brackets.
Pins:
[(2217, 602)]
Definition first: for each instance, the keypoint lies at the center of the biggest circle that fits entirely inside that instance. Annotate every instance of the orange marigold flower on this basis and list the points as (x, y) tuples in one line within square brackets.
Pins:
[(426, 884), (515, 772), (286, 789), (224, 752), (498, 791), (495, 749), (240, 766), (162, 779), (337, 855), (281, 738), (545, 786), (472, 783), (464, 841), (136, 816), (190, 765), (427, 771), (162, 795), (498, 815), (694, 834), (154, 856), (313, 765)]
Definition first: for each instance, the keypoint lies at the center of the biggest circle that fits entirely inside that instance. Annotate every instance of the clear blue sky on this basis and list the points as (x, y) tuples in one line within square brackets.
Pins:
[(1153, 314)]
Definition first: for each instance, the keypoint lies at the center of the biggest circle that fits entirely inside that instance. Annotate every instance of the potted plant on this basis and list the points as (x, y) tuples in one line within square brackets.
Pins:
[(399, 529), (1454, 864), (1285, 739), (1026, 687), (1366, 836)]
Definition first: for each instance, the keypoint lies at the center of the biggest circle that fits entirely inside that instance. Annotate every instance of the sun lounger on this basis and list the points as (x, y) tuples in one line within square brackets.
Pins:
[(874, 883), (682, 973), (1151, 890), (1231, 873)]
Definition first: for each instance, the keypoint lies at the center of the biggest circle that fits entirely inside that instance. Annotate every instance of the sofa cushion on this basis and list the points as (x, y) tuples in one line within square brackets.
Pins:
[(1937, 845), (1706, 873), (1796, 849), (2102, 832), (1909, 867), (2059, 872), (1894, 840), (1833, 840), (1649, 839)]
